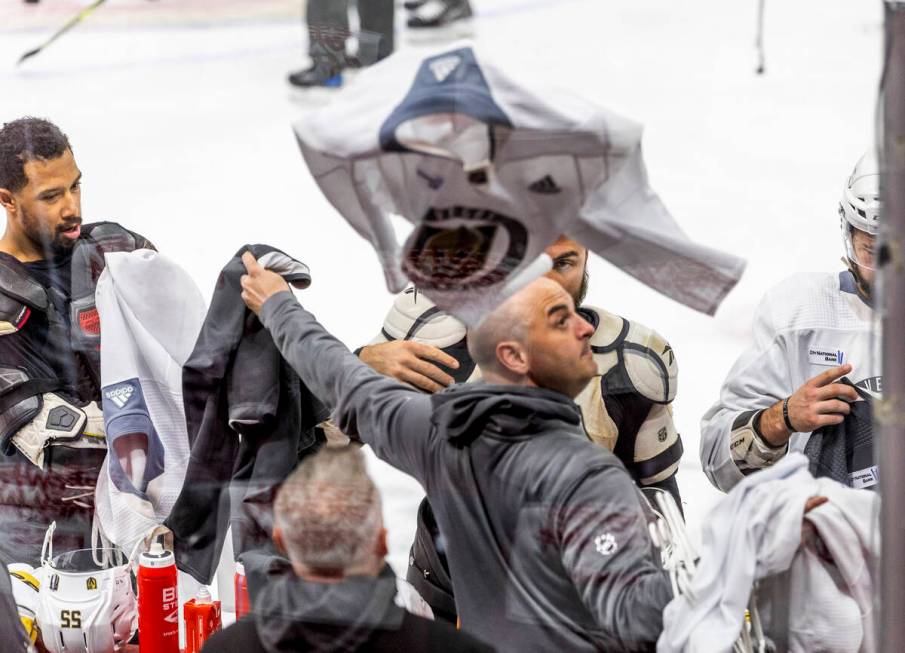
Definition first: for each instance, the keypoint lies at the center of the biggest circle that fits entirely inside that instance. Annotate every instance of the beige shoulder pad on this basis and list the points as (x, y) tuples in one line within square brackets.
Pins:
[(414, 317), (633, 358)]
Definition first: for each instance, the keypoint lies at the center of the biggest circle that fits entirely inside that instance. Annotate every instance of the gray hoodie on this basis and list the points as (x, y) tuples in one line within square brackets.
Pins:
[(548, 543), (291, 614), (357, 614)]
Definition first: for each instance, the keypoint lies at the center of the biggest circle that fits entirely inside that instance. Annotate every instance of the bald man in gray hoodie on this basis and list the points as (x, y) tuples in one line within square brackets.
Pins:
[(547, 535)]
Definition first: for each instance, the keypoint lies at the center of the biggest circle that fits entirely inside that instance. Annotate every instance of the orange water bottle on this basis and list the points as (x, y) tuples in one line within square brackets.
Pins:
[(202, 619)]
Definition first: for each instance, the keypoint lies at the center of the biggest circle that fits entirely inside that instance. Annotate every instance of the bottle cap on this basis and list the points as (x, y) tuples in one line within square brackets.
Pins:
[(157, 556), (204, 595), (240, 569)]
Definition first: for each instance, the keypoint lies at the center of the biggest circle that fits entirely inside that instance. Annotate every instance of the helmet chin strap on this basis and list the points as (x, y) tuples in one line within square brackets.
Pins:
[(863, 286)]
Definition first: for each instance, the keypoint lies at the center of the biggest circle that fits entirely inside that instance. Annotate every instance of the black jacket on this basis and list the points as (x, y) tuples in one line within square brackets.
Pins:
[(50, 342), (249, 420), (549, 546), (357, 614)]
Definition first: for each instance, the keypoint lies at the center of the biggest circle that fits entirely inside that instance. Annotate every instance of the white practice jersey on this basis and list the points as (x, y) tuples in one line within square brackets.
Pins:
[(803, 326), (490, 170), (151, 312)]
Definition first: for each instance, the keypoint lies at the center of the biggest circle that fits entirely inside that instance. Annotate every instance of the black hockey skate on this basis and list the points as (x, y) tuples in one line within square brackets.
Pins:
[(440, 19), (323, 73)]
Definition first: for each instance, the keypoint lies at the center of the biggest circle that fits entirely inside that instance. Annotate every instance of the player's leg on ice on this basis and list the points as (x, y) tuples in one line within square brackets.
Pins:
[(328, 30), (376, 38)]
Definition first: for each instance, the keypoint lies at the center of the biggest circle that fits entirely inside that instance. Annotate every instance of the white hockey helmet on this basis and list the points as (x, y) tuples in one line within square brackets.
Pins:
[(86, 603), (860, 206)]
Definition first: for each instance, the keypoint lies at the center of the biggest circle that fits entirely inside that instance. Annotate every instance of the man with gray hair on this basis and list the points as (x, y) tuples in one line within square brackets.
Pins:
[(336, 591), (328, 517), (549, 546)]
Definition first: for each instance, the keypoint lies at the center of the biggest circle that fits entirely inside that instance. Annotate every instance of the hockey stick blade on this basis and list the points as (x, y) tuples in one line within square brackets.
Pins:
[(28, 54), (72, 22)]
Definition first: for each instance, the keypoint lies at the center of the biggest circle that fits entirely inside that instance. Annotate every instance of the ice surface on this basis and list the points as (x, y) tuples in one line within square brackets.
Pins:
[(183, 134)]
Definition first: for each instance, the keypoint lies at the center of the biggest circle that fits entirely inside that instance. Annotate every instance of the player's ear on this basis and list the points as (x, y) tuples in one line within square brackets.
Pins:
[(512, 357), (7, 199)]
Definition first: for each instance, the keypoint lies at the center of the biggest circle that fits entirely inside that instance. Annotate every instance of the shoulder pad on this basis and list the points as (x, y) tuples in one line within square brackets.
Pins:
[(414, 317), (13, 315), (17, 286), (115, 238), (633, 358)]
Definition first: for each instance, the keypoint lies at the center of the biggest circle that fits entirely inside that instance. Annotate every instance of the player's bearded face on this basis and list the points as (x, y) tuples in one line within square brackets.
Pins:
[(570, 268), (49, 207), (46, 235)]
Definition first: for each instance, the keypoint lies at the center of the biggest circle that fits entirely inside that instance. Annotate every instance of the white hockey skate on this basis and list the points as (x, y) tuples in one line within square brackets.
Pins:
[(439, 21)]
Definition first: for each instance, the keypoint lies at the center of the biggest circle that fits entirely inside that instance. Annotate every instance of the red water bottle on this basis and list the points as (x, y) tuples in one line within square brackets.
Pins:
[(202, 619), (240, 585), (158, 602)]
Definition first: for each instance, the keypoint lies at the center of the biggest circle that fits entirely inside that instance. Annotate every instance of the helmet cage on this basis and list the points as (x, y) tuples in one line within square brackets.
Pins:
[(851, 252)]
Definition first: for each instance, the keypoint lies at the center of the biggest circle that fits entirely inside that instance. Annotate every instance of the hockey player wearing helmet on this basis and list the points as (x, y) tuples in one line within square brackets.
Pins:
[(51, 426), (626, 407), (810, 331), (859, 219)]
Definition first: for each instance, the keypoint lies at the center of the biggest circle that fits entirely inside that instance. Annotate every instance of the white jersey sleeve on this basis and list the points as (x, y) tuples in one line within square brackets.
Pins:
[(804, 326)]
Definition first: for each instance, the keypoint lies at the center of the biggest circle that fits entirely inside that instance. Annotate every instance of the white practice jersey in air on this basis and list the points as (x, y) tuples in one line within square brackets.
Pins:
[(803, 327), (490, 169)]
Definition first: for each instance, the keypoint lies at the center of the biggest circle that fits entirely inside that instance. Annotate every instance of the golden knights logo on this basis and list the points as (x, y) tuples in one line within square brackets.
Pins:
[(461, 248), (91, 583)]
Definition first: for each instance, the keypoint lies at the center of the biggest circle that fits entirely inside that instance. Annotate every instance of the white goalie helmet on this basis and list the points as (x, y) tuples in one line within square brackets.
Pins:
[(860, 206), (86, 602)]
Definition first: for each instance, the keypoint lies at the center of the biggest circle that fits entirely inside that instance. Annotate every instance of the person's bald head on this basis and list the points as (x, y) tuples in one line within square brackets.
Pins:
[(535, 338)]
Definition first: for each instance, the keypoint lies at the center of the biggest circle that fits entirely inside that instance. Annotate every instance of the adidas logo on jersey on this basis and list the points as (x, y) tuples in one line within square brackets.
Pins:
[(443, 67), (545, 186), (120, 395)]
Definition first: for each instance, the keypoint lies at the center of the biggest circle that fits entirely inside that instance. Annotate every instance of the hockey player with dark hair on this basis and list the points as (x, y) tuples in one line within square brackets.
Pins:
[(52, 440), (626, 407), (809, 331)]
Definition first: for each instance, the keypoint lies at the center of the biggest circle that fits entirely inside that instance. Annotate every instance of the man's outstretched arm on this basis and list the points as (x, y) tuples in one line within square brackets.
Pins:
[(393, 418)]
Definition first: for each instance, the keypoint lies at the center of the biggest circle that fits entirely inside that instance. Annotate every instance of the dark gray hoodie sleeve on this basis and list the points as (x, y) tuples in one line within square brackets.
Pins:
[(391, 417), (607, 552)]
